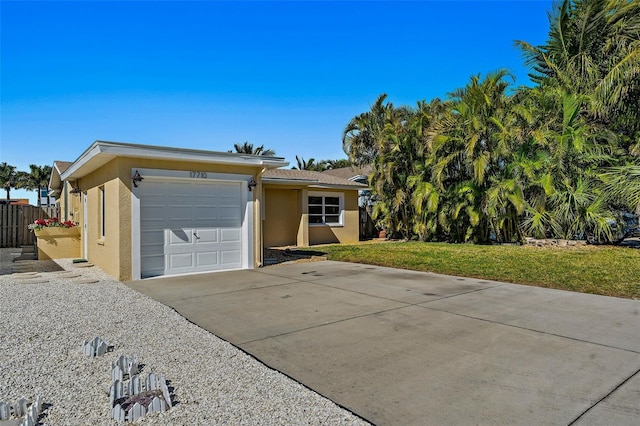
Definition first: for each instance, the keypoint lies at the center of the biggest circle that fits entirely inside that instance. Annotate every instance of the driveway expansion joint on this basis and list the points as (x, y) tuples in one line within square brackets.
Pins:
[(462, 294), (325, 324), (604, 397), (575, 339), (388, 298), (230, 292)]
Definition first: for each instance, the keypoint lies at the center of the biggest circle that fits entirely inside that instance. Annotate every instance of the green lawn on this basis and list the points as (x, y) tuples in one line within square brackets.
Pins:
[(611, 271)]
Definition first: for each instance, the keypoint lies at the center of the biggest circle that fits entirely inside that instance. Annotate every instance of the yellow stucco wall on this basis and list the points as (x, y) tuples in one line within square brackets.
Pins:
[(281, 218), (113, 253), (58, 243), (103, 252), (63, 202), (282, 225), (349, 232), (283, 221)]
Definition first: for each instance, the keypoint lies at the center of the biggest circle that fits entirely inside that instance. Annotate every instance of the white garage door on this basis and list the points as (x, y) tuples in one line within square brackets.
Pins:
[(190, 226)]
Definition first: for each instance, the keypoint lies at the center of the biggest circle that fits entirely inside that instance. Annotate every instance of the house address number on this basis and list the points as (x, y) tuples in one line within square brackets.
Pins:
[(198, 175)]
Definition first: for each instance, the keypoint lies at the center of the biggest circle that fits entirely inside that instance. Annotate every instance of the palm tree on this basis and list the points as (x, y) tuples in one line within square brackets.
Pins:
[(311, 165), (247, 148), (37, 179), (471, 153), (337, 164), (570, 195), (364, 133), (594, 49), (8, 178), (554, 160), (622, 185), (587, 118)]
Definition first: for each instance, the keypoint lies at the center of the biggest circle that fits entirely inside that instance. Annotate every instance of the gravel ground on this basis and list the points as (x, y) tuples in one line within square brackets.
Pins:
[(45, 316)]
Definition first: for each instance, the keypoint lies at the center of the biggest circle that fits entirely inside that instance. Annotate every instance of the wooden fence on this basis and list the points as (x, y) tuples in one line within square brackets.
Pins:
[(14, 222), (367, 228)]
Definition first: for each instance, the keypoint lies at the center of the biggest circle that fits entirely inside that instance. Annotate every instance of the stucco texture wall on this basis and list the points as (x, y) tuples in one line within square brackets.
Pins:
[(58, 243), (104, 252), (281, 217)]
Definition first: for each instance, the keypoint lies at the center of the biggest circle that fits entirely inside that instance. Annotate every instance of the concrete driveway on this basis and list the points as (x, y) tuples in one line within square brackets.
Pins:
[(399, 347)]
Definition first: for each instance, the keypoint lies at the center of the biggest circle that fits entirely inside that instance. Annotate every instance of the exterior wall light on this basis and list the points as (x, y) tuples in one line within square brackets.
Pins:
[(252, 184), (75, 188), (136, 179)]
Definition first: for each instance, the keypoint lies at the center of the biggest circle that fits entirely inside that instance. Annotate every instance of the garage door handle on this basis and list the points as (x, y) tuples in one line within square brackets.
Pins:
[(196, 235)]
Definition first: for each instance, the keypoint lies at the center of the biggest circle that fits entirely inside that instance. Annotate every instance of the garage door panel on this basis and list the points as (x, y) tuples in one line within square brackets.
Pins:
[(173, 188), (153, 251), (180, 260), (230, 235), (205, 213), (206, 235), (228, 201), (205, 197), (180, 236), (227, 190), (152, 237), (180, 213), (155, 199), (152, 213), (171, 212), (207, 259), (230, 257), (228, 223), (228, 198), (154, 262), (229, 213)]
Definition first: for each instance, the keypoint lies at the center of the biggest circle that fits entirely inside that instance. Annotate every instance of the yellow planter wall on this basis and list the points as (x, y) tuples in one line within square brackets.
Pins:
[(58, 243)]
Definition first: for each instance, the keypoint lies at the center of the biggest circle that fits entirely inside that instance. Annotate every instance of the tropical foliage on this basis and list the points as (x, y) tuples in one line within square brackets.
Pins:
[(34, 180), (320, 166), (8, 178), (493, 161), (248, 148)]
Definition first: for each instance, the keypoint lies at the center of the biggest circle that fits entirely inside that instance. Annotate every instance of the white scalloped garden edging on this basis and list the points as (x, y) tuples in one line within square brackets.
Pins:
[(137, 398), (21, 413)]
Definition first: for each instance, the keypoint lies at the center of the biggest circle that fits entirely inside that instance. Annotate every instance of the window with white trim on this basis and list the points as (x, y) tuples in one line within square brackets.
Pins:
[(326, 208)]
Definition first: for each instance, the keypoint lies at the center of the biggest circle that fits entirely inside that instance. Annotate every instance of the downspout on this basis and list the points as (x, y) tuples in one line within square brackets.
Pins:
[(66, 200), (260, 223)]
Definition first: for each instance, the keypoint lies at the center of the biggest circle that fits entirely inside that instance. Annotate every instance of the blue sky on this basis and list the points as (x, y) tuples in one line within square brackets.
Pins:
[(208, 74)]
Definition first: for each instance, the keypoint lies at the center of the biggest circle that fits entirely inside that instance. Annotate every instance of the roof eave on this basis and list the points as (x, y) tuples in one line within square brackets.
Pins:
[(277, 181), (100, 153), (332, 186), (314, 184), (55, 181)]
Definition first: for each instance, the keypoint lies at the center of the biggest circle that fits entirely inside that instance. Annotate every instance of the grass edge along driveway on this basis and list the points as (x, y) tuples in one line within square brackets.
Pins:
[(609, 271)]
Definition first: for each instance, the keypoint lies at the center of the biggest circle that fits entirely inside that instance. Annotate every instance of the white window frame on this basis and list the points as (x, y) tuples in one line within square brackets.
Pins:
[(339, 195)]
